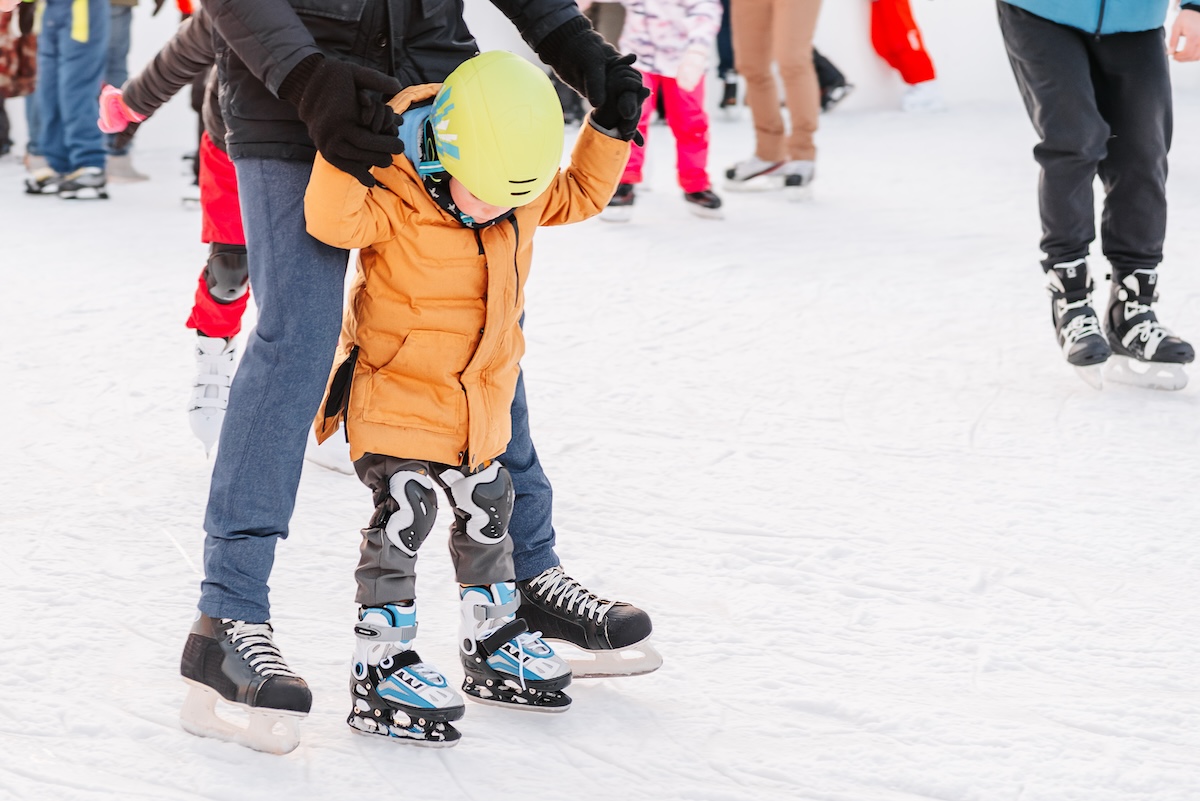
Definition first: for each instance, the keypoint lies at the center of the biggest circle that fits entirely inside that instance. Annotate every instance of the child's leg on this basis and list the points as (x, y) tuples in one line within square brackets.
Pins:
[(897, 39), (637, 153), (1054, 74), (689, 124), (221, 295), (1133, 93), (504, 664)]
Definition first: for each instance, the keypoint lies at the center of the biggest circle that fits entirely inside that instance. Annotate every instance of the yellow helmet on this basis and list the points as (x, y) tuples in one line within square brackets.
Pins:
[(498, 128)]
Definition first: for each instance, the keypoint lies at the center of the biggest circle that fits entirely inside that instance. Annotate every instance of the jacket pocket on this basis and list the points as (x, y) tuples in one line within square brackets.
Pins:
[(421, 387)]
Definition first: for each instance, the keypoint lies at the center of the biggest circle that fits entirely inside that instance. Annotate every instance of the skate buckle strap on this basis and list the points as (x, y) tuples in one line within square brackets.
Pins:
[(375, 633), (485, 612), (495, 641)]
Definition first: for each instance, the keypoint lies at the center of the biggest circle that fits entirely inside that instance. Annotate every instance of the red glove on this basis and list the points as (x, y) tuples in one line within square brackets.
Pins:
[(115, 116)]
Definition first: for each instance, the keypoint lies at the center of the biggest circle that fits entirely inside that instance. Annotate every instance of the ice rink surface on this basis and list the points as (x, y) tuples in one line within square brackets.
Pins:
[(893, 547)]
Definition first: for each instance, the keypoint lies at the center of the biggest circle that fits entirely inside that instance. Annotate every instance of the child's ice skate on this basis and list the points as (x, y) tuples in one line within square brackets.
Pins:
[(611, 638), (216, 361), (504, 663), (1075, 322), (1147, 353), (238, 663), (395, 694), (620, 207)]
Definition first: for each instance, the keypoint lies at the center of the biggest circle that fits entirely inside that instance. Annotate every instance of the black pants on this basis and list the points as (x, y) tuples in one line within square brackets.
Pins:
[(1102, 106)]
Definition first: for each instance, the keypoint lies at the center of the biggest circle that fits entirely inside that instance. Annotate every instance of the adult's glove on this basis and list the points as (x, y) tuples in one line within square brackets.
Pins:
[(591, 66), (622, 106), (691, 67), (115, 114), (352, 127)]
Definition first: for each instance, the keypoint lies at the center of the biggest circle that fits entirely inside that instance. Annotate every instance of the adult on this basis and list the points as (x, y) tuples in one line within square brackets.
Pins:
[(314, 77), (1095, 80), (779, 32)]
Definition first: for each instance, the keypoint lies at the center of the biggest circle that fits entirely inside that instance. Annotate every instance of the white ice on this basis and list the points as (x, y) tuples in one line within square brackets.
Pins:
[(894, 548)]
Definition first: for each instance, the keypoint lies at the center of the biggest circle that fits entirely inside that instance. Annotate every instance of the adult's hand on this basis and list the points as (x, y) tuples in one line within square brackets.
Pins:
[(624, 94), (1186, 27), (343, 106)]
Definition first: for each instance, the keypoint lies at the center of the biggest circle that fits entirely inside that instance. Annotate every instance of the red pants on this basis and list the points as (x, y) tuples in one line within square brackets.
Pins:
[(221, 223), (896, 38), (689, 124)]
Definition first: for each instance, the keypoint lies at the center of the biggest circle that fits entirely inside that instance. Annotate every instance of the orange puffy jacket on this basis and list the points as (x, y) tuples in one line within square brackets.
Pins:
[(431, 343)]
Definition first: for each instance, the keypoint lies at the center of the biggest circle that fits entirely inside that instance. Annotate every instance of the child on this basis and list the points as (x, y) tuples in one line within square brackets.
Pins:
[(1096, 83), (897, 39), (672, 40), (427, 370), (223, 288)]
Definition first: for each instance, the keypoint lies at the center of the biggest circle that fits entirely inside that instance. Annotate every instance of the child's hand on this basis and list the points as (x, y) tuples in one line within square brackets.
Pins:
[(8, 5), (115, 116), (1187, 27), (692, 67)]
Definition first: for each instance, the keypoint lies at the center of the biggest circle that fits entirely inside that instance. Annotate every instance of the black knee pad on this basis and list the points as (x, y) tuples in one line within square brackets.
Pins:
[(415, 501), (227, 273)]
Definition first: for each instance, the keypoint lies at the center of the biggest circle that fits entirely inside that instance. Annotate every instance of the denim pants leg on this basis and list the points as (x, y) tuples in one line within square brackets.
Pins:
[(298, 284), (531, 527), (33, 122), (116, 69), (69, 75)]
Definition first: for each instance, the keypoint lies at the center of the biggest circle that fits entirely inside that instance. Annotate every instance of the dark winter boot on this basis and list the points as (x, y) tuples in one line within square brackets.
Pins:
[(1075, 322)]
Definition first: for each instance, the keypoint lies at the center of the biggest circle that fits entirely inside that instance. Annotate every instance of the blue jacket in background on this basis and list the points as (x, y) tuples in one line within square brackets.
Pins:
[(1100, 16)]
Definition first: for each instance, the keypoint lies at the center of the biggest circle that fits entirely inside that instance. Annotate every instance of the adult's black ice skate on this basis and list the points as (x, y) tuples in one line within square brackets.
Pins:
[(504, 663), (606, 638), (1075, 321), (238, 663), (393, 692), (1149, 355)]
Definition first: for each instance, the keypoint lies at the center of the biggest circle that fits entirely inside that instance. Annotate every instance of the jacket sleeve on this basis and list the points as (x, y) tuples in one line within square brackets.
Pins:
[(340, 211), (536, 18), (186, 55), (266, 34), (583, 189), (704, 22)]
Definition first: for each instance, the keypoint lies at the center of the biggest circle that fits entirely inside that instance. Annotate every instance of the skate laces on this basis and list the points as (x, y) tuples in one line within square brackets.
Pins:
[(253, 641), (1149, 330), (569, 595)]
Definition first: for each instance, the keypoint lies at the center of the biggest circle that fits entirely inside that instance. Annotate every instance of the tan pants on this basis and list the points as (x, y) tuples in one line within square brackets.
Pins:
[(779, 31)]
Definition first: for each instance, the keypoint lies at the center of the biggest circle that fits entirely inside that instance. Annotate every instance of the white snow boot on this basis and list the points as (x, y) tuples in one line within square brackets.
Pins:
[(505, 664), (394, 693), (216, 362)]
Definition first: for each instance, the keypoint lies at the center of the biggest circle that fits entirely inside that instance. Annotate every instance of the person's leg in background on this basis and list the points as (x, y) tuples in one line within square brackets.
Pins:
[(752, 21), (832, 81), (116, 73), (725, 70), (898, 41), (795, 25), (83, 52)]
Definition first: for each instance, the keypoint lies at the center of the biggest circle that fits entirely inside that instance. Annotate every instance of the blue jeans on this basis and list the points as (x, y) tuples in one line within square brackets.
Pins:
[(298, 285), (116, 69), (33, 122), (68, 90)]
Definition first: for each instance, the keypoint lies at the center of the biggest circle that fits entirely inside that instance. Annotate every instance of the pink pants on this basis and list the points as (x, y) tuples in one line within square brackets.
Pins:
[(689, 124)]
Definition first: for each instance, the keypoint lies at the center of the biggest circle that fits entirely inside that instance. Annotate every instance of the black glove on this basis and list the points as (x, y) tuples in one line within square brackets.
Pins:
[(593, 68), (622, 106), (340, 103)]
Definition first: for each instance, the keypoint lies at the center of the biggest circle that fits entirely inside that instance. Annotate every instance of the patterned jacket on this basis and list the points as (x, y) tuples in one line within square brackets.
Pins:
[(658, 32)]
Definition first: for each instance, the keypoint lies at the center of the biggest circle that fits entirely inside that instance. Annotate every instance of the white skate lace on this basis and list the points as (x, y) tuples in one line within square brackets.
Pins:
[(253, 641), (1080, 326), (1149, 330), (570, 594)]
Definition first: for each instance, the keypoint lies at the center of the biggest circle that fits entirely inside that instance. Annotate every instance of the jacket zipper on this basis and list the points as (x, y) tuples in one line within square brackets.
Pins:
[(1100, 22), (516, 265)]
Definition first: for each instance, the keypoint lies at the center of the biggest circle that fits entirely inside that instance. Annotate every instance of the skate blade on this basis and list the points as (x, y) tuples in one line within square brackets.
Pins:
[(1092, 374), (798, 194), (274, 732), (1148, 375), (84, 194), (617, 214), (771, 182), (431, 735), (206, 425), (633, 660), (707, 214)]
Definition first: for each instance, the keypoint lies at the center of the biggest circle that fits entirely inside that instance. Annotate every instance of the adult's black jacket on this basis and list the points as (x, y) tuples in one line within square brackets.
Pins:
[(417, 41)]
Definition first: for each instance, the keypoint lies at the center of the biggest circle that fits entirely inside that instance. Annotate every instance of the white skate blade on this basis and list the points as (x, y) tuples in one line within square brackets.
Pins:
[(274, 732), (332, 454), (1092, 374), (1148, 375), (206, 425), (635, 660), (798, 194), (707, 214), (770, 182), (617, 214)]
